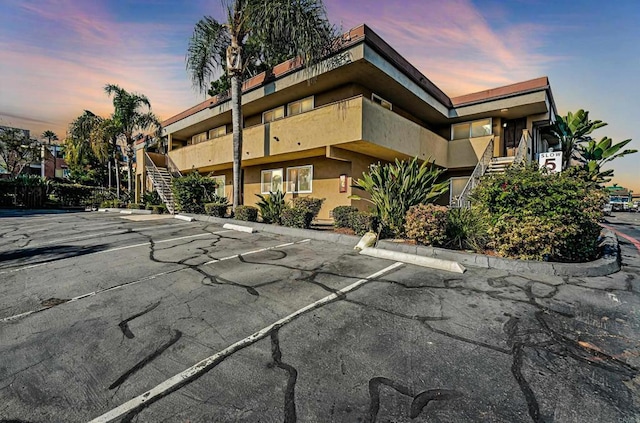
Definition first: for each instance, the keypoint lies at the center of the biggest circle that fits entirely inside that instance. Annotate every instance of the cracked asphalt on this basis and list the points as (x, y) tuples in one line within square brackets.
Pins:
[(104, 318)]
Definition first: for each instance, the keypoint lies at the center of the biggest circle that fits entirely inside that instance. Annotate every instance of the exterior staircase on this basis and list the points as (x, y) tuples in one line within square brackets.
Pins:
[(161, 179), (499, 164)]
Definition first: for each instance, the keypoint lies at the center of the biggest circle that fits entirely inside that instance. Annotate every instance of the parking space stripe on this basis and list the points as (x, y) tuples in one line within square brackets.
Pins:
[(111, 250), (192, 373), (147, 278), (91, 294), (100, 234), (258, 251)]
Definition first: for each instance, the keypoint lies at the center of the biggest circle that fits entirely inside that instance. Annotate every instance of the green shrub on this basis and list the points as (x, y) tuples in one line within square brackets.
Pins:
[(427, 224), (246, 213), (218, 208), (72, 194), (158, 209), (151, 198), (110, 204), (342, 216), (363, 222), (271, 207), (297, 217), (541, 216), (136, 206), (191, 192), (396, 187), (309, 203), (467, 229)]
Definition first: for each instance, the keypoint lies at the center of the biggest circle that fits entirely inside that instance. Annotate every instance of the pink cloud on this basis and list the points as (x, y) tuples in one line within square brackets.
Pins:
[(453, 43)]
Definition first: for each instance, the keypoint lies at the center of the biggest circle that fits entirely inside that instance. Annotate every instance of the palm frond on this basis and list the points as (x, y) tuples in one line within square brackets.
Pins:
[(205, 53)]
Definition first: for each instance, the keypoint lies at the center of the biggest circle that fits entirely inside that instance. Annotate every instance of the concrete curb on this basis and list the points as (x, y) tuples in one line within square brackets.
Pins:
[(349, 240), (608, 263), (125, 211), (239, 228), (431, 262), (184, 217)]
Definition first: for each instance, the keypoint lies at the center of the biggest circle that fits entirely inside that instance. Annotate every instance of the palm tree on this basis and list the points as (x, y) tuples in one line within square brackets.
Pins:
[(51, 136), (79, 152), (132, 112), (104, 143), (298, 27)]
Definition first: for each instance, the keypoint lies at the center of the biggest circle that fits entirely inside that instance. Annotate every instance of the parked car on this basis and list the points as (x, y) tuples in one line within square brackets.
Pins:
[(607, 209)]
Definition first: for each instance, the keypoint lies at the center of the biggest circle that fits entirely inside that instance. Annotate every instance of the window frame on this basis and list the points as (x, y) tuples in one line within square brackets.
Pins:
[(381, 101), (216, 129), (301, 101), (310, 191), (262, 173), (470, 124), (273, 110), (205, 133)]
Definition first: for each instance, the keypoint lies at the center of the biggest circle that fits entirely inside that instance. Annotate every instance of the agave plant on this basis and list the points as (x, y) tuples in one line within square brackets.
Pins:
[(395, 187), (271, 207)]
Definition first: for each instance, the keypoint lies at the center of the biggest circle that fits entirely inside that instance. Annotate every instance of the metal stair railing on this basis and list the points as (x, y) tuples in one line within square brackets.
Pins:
[(171, 167), (462, 200), (159, 183), (523, 148)]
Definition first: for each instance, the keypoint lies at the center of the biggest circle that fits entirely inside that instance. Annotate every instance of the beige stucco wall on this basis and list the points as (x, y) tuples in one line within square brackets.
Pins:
[(326, 180)]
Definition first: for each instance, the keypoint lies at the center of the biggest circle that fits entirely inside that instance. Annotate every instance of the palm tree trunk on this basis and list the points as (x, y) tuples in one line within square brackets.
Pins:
[(236, 117), (129, 167)]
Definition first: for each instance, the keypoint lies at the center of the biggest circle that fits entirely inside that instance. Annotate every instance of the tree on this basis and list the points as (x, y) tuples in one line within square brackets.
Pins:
[(17, 150), (571, 130), (51, 136), (594, 155), (84, 165), (132, 112), (297, 27), (104, 143)]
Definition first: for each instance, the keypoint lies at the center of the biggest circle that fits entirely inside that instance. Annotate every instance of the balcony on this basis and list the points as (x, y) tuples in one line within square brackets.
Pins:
[(355, 124)]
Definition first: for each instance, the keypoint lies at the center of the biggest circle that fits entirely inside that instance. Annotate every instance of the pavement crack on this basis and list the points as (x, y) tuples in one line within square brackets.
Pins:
[(529, 396), (139, 365), (124, 325), (289, 393), (419, 401)]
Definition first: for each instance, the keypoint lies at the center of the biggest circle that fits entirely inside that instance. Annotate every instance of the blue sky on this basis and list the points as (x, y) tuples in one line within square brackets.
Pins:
[(56, 55)]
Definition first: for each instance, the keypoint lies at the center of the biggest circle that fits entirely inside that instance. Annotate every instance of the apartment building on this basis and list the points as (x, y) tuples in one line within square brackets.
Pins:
[(313, 137)]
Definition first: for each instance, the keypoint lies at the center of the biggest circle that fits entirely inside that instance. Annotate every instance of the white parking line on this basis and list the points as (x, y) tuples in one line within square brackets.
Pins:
[(208, 363), (91, 294), (101, 234), (100, 291), (258, 251), (144, 244)]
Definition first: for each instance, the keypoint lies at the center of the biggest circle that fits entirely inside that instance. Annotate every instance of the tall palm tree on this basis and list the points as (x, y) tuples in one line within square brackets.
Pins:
[(132, 112), (104, 143), (298, 27), (51, 136)]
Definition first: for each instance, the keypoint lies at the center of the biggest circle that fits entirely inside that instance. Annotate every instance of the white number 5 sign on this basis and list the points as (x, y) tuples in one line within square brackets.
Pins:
[(552, 161)]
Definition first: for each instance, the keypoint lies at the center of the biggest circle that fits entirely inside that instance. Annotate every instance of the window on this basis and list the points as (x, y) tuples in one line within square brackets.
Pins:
[(220, 179), (299, 179), (300, 106), (218, 132), (381, 101), (199, 138), (273, 114), (477, 128), (271, 181)]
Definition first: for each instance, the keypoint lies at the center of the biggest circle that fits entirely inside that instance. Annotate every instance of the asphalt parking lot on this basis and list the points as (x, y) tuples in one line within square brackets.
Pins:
[(106, 317)]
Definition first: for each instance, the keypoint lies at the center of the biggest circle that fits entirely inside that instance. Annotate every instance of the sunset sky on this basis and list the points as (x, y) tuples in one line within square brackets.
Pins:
[(56, 55)]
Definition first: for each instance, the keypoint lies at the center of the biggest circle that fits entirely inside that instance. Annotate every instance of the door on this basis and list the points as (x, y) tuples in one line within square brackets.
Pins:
[(512, 133)]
